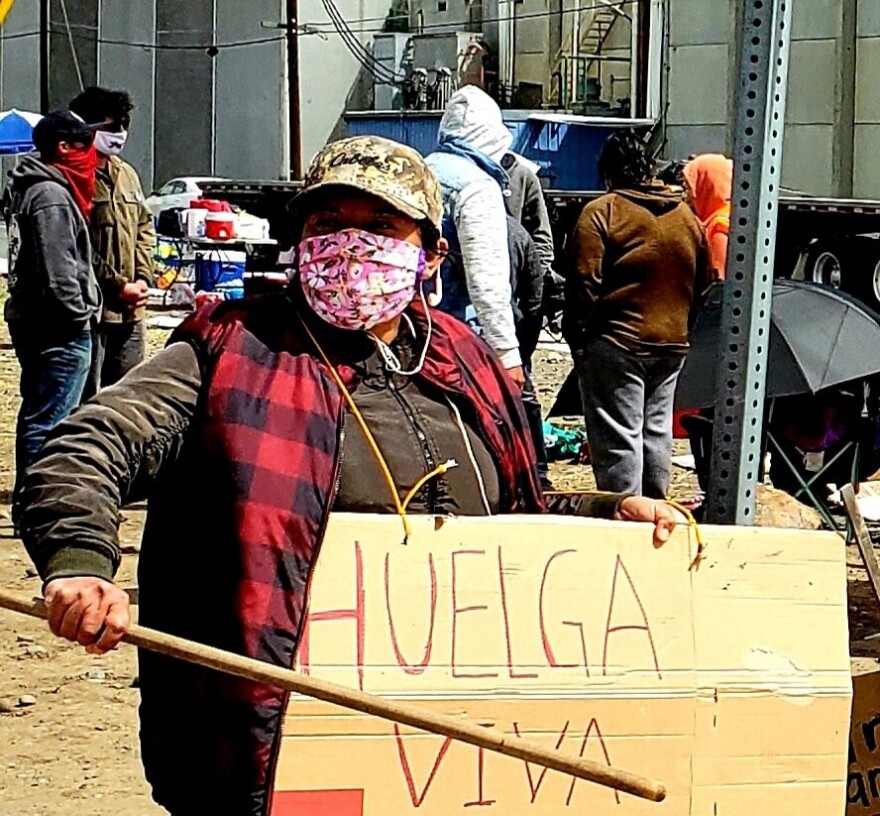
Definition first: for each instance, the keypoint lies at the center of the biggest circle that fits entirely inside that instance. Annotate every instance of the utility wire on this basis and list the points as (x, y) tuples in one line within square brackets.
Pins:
[(307, 29), (152, 46), (358, 50), (509, 18), (73, 53), (361, 53)]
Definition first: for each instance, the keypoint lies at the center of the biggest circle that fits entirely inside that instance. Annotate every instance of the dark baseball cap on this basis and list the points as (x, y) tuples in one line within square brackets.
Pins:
[(62, 126)]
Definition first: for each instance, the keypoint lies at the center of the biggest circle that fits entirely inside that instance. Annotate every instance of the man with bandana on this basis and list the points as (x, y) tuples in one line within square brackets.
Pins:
[(123, 239), (54, 299)]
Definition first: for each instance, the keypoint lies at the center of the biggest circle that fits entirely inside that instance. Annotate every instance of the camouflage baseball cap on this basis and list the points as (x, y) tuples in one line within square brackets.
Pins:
[(389, 170)]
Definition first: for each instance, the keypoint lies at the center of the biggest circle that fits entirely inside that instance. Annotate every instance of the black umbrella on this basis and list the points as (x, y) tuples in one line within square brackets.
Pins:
[(819, 337)]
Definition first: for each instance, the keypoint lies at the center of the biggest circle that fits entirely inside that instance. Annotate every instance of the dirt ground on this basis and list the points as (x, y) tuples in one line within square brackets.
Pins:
[(68, 721)]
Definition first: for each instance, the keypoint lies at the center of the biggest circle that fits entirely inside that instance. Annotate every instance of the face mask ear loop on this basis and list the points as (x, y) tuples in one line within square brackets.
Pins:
[(388, 356)]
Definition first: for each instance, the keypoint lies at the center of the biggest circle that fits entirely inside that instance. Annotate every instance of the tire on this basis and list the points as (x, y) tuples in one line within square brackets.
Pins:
[(825, 265), (871, 294)]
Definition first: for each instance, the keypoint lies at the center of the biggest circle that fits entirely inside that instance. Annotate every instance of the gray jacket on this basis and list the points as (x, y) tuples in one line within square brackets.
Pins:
[(526, 204), (51, 280)]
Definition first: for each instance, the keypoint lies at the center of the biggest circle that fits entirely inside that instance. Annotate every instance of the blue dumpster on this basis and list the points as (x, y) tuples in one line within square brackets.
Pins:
[(566, 147)]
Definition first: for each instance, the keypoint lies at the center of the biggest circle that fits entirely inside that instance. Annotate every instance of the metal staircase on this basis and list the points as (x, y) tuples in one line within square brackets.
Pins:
[(593, 38), (572, 65)]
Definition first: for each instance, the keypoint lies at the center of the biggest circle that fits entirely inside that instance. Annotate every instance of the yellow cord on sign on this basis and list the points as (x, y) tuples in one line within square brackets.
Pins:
[(689, 516), (437, 471), (692, 523), (400, 506)]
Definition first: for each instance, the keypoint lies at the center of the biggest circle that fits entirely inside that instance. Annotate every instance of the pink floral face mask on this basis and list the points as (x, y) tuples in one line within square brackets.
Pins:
[(354, 279)]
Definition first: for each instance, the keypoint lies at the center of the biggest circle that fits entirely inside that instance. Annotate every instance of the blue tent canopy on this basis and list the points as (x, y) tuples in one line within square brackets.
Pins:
[(15, 131)]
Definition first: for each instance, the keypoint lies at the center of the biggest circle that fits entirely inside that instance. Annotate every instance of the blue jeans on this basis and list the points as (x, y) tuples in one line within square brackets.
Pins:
[(628, 410), (53, 375)]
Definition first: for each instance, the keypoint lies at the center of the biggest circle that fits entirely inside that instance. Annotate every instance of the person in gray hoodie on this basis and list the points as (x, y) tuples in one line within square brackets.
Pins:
[(54, 298), (476, 276)]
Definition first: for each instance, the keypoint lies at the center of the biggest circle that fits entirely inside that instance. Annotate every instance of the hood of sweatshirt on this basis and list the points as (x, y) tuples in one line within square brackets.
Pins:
[(654, 196), (31, 171), (710, 181), (473, 116)]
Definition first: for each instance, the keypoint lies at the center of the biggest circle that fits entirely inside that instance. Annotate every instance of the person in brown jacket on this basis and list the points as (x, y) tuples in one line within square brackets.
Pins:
[(639, 262), (123, 240)]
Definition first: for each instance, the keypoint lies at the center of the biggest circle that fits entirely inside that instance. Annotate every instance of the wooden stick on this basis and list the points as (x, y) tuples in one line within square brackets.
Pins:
[(490, 739), (863, 538)]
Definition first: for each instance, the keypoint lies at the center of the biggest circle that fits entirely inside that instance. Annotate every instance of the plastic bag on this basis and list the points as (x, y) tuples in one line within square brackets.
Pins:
[(562, 444)]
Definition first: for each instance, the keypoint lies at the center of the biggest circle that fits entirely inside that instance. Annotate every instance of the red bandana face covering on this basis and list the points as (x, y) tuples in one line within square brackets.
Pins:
[(79, 168)]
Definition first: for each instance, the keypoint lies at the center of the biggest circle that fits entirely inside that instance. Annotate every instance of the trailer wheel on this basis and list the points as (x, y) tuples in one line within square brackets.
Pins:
[(824, 266), (875, 285)]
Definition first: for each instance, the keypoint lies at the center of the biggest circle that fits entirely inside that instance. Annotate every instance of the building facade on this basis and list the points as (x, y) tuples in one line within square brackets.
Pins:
[(833, 119), (199, 112), (224, 112)]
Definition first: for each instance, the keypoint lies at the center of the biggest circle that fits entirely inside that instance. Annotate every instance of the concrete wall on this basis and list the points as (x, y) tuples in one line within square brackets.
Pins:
[(137, 66), (19, 79), (811, 158), (833, 117), (330, 76), (533, 42), (866, 170), (441, 16), (698, 82), (195, 114)]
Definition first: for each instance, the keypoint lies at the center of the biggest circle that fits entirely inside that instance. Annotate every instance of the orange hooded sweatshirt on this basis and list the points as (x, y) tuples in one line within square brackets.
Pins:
[(710, 180)]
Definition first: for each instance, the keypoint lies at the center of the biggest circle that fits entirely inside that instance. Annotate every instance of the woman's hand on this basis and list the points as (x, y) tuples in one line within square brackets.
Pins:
[(659, 513), (517, 374), (89, 611)]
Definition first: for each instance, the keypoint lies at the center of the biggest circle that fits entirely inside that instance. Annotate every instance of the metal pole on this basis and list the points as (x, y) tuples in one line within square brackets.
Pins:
[(765, 26), (44, 56), (295, 130)]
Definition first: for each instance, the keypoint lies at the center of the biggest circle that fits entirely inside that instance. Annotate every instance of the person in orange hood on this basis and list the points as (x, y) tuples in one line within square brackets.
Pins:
[(709, 180)]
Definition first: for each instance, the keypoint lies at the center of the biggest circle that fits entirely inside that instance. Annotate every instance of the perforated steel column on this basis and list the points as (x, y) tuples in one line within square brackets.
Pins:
[(739, 407)]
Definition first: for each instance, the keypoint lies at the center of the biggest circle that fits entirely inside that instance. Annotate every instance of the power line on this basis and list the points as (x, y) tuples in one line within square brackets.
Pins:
[(360, 52), (374, 67), (535, 15), (73, 53), (151, 46), (321, 27)]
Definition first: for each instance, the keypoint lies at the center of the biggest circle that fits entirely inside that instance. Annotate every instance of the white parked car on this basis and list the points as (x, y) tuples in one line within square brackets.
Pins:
[(178, 192)]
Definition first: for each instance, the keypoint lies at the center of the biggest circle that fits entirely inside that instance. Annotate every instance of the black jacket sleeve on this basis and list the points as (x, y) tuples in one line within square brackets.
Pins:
[(102, 457), (529, 296), (590, 505)]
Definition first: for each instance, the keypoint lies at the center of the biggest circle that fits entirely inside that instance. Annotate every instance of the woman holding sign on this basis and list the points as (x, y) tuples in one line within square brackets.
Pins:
[(346, 392)]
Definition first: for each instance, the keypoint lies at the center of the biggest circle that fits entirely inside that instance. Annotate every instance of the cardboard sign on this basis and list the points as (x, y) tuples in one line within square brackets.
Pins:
[(863, 785), (728, 682)]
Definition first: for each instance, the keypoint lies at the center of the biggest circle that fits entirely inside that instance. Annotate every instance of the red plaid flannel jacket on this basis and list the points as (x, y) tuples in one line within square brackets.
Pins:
[(234, 531)]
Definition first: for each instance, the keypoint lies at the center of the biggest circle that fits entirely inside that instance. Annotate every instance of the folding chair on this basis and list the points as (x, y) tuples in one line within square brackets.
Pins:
[(806, 480), (844, 438)]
